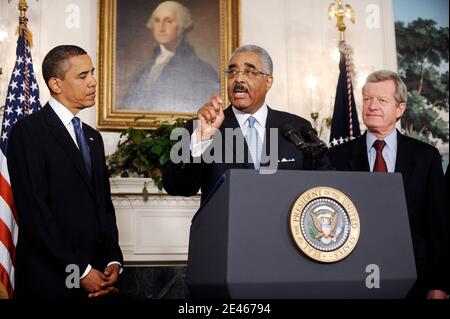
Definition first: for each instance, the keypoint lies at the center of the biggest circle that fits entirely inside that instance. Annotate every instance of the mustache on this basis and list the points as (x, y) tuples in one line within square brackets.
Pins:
[(240, 88)]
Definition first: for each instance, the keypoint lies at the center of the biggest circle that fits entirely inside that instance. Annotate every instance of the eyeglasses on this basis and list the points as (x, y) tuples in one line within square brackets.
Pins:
[(247, 73)]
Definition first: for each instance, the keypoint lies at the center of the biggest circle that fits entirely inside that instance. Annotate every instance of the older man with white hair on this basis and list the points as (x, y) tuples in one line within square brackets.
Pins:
[(175, 79), (382, 148)]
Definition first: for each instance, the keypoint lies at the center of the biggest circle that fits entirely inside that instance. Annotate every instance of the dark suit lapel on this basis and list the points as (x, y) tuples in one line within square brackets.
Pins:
[(404, 161), (66, 142), (96, 158), (271, 122), (230, 121), (359, 160)]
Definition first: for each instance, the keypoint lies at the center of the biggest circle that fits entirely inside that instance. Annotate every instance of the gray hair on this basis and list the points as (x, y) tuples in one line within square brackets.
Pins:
[(401, 92), (267, 64), (181, 12)]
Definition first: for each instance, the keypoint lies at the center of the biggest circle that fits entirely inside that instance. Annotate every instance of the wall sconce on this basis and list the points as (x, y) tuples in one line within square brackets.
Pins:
[(311, 82), (327, 120)]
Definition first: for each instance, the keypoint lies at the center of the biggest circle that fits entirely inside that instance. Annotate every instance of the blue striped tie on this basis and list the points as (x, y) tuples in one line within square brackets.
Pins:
[(82, 144), (253, 142)]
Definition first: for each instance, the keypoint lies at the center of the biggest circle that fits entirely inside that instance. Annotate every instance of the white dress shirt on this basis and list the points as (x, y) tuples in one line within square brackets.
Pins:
[(66, 118)]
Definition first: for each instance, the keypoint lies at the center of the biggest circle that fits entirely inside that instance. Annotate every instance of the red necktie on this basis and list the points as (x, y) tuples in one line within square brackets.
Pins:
[(380, 164)]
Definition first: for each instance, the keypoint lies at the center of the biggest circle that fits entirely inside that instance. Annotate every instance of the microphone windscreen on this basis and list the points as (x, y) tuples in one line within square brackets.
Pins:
[(306, 130), (287, 130)]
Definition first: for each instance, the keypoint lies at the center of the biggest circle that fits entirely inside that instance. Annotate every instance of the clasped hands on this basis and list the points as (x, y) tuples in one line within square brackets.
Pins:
[(98, 283)]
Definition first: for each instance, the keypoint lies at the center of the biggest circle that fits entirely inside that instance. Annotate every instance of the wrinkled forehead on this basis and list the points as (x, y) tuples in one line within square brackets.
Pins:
[(245, 59), (380, 88)]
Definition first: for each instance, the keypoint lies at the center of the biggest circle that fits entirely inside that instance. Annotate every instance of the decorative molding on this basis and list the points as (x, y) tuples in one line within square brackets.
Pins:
[(158, 200), (155, 231), (133, 185)]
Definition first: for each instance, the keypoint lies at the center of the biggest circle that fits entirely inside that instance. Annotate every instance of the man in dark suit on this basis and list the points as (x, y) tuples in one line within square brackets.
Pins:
[(384, 149), (61, 190), (249, 79)]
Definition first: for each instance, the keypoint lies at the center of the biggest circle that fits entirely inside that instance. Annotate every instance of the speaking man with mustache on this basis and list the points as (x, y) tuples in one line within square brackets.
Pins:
[(249, 79), (68, 240)]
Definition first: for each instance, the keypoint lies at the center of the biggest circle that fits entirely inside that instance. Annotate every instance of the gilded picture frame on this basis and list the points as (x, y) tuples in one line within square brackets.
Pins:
[(123, 52)]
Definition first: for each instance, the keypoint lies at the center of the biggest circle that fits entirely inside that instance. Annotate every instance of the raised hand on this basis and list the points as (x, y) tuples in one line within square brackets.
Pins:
[(210, 118)]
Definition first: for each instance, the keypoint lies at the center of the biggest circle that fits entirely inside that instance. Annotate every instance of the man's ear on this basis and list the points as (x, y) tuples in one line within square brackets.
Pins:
[(54, 85), (400, 110), (269, 82)]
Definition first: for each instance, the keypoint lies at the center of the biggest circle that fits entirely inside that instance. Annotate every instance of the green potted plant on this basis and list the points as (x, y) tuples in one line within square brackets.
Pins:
[(143, 153)]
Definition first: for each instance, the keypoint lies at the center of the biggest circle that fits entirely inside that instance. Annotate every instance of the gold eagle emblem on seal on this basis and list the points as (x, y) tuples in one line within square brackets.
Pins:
[(325, 224)]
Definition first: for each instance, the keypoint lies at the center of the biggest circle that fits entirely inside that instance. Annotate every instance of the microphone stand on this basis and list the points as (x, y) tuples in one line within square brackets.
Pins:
[(312, 153)]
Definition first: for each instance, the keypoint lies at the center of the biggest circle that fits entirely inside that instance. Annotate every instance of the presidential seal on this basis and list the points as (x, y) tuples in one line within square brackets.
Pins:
[(325, 224)]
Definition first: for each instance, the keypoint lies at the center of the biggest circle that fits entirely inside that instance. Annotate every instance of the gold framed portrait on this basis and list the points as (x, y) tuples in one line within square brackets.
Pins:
[(161, 60)]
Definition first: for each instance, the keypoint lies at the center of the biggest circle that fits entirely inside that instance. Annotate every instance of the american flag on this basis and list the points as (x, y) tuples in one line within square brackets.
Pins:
[(22, 99), (345, 124)]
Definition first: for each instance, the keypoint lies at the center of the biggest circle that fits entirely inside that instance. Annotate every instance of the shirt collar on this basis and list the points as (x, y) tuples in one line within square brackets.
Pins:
[(63, 113), (390, 140), (166, 53), (260, 116)]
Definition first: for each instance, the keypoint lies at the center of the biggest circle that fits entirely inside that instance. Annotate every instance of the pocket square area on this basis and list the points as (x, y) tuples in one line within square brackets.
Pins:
[(285, 160)]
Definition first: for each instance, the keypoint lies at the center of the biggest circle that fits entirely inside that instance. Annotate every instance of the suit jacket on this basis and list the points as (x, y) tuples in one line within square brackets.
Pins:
[(447, 179), (426, 199), (185, 83), (187, 178), (64, 216)]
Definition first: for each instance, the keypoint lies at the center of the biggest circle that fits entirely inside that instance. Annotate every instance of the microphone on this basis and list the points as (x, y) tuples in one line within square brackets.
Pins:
[(311, 134), (291, 134), (312, 150)]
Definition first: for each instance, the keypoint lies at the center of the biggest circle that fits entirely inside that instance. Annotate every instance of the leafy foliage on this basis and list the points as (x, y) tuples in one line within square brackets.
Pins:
[(422, 49), (143, 152), (421, 121)]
